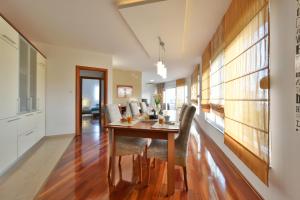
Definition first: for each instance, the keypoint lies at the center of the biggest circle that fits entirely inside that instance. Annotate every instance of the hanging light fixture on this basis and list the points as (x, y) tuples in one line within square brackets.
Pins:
[(160, 65)]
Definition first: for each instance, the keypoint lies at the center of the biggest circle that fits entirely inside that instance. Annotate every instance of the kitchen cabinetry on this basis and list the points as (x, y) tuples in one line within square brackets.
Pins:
[(40, 85), (22, 102), (27, 77), (41, 122), (8, 142), (27, 132), (9, 45)]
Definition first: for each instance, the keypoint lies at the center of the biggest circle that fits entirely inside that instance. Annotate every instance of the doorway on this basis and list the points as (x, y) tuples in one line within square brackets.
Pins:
[(91, 98)]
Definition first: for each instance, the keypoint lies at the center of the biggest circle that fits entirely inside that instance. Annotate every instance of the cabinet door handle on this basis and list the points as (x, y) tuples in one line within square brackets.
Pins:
[(29, 115), (9, 39), (12, 120), (29, 133)]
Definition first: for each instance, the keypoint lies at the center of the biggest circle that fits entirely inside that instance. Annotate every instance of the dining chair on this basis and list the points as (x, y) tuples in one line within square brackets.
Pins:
[(135, 111), (124, 145), (159, 148), (144, 107), (183, 108)]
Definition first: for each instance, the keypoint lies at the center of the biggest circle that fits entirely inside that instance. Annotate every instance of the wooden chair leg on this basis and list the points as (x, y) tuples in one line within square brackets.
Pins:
[(185, 178), (153, 163), (145, 152), (140, 168), (120, 172), (132, 160), (109, 169), (120, 159)]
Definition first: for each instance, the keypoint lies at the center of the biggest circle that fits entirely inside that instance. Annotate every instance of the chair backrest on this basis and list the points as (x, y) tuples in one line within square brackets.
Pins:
[(183, 108), (184, 129), (128, 110), (144, 107), (113, 113), (135, 111)]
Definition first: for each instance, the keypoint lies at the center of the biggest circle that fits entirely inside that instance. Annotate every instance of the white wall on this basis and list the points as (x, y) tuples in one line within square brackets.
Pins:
[(285, 172), (60, 84)]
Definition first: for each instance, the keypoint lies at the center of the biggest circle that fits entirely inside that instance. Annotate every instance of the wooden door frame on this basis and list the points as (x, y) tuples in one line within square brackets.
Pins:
[(78, 93)]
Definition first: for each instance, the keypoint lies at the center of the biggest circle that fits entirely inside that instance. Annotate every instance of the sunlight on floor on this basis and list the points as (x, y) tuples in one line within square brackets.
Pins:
[(26, 179)]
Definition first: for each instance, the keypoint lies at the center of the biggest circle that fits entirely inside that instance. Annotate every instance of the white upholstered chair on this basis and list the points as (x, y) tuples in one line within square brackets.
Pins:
[(124, 145), (135, 111), (144, 107)]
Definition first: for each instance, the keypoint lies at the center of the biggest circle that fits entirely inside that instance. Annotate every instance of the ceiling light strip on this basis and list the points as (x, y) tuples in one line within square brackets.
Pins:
[(132, 3)]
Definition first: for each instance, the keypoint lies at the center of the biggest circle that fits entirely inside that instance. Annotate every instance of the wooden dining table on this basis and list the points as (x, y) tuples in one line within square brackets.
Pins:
[(145, 129)]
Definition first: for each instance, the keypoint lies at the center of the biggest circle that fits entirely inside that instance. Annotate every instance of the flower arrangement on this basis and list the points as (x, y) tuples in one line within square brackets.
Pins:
[(157, 100)]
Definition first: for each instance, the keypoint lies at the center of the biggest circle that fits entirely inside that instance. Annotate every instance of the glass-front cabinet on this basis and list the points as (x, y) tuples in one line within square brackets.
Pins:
[(32, 79), (27, 77)]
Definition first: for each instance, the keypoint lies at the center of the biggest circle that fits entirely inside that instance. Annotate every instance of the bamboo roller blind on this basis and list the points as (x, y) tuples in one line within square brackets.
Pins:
[(217, 85), (180, 92), (194, 85), (205, 94), (246, 104), (180, 82), (234, 62)]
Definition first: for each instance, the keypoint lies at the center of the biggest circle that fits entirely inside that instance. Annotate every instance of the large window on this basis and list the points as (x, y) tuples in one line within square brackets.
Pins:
[(234, 65), (181, 92), (194, 85), (216, 88), (247, 105), (170, 97), (175, 94)]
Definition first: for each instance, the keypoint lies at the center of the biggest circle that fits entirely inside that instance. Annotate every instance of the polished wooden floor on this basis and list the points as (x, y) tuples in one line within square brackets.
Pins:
[(82, 174)]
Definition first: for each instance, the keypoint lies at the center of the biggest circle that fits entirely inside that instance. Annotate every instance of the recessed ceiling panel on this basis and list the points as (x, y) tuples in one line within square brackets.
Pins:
[(163, 18)]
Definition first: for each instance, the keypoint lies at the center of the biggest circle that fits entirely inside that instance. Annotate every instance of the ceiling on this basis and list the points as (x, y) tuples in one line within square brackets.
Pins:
[(129, 34)]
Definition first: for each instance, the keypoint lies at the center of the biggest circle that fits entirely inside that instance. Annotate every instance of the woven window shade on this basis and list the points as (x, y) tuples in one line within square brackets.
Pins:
[(180, 92), (217, 85), (218, 42), (194, 85), (246, 103), (238, 15), (205, 93), (180, 82)]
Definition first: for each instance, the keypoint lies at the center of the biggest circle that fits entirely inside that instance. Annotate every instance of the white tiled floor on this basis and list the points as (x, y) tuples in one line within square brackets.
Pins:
[(25, 181)]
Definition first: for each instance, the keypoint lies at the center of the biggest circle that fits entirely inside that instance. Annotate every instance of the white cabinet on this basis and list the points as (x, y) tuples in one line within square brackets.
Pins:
[(9, 59), (22, 90), (8, 142), (40, 130), (41, 78), (27, 77), (27, 133), (8, 34), (41, 84)]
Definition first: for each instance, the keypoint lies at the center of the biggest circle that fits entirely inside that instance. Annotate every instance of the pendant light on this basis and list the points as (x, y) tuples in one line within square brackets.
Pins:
[(160, 65)]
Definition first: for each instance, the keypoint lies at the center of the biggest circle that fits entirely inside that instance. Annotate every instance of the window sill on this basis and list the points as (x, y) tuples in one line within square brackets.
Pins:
[(211, 123)]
